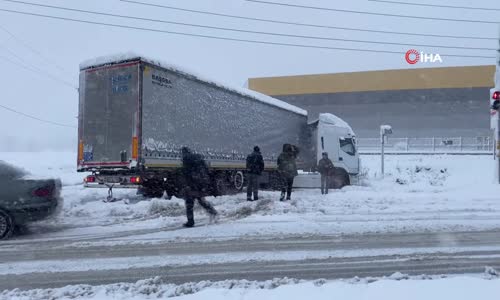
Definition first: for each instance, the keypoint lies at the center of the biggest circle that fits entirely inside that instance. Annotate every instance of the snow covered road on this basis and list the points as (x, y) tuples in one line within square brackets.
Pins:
[(253, 259)]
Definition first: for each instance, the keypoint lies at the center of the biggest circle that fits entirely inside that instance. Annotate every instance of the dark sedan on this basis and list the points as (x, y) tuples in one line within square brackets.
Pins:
[(24, 200)]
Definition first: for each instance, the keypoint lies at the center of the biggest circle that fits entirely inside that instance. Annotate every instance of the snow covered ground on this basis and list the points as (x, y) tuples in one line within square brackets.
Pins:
[(395, 287), (418, 193)]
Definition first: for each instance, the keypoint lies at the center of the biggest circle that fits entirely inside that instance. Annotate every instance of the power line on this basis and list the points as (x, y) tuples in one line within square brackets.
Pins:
[(438, 5), (34, 69), (373, 13), (249, 31), (35, 118), (307, 24), (35, 51), (227, 38)]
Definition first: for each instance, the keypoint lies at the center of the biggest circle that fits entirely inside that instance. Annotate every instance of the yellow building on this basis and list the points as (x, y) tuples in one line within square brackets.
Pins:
[(451, 101)]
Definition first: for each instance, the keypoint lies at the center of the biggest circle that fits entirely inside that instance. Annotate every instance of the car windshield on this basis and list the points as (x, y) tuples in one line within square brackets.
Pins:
[(10, 171)]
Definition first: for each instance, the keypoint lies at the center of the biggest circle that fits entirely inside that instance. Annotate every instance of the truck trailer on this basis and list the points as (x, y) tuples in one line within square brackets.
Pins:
[(136, 113)]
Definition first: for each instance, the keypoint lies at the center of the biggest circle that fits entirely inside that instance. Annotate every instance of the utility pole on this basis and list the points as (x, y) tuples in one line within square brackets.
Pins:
[(384, 131), (494, 113), (497, 151)]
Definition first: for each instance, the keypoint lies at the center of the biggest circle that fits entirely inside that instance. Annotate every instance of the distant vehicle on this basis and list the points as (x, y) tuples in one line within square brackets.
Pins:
[(135, 114), (24, 200)]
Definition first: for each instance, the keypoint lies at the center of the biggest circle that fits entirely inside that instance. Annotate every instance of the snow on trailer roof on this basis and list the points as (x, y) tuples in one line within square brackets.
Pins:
[(119, 58)]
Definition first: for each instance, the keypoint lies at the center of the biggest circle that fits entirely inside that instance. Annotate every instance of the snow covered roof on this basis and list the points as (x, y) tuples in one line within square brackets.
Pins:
[(117, 58), (333, 120)]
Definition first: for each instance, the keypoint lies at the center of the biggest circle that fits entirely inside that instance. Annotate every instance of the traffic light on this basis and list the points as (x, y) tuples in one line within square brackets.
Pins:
[(495, 100)]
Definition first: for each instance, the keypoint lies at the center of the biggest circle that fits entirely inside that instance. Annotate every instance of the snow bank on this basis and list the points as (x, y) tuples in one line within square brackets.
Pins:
[(395, 287), (110, 59)]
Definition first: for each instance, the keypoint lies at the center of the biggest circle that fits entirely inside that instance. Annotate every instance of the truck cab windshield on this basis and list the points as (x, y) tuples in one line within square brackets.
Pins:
[(348, 145)]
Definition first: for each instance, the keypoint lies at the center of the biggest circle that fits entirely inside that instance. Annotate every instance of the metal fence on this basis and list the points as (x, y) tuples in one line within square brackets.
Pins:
[(482, 144)]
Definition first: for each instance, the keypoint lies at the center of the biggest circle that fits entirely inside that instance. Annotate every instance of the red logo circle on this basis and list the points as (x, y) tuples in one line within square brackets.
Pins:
[(409, 54)]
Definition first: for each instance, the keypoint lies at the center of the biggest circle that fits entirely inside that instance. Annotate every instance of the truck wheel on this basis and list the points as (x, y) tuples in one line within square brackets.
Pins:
[(6, 225), (340, 179), (238, 181)]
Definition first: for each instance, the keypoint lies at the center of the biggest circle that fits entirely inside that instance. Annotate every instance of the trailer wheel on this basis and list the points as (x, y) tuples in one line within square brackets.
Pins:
[(6, 225), (238, 181)]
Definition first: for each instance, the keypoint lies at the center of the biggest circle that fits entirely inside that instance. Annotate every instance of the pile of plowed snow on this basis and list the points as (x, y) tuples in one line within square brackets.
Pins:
[(397, 286)]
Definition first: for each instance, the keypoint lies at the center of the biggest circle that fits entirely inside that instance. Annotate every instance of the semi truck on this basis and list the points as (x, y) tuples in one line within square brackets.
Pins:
[(136, 113)]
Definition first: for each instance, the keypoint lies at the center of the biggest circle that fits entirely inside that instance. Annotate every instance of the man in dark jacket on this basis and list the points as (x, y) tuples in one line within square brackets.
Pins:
[(255, 166), (196, 184), (325, 168), (287, 169)]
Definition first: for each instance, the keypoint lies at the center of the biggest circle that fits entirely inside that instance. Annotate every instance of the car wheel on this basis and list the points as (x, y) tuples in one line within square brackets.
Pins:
[(6, 225)]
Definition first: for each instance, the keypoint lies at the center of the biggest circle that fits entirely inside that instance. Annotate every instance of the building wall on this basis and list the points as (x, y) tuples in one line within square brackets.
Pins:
[(439, 102), (414, 113)]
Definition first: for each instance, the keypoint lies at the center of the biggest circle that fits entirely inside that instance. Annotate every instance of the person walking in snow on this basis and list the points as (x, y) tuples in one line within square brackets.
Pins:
[(287, 169), (196, 184), (325, 168), (255, 166)]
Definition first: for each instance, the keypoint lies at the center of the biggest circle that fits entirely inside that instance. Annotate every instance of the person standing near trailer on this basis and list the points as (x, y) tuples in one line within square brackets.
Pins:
[(255, 166), (325, 168), (287, 168)]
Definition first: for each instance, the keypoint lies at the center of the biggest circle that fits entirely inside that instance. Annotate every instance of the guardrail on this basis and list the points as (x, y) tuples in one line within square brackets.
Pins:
[(429, 145)]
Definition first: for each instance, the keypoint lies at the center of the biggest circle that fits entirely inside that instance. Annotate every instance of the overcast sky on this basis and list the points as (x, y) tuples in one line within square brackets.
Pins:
[(68, 44)]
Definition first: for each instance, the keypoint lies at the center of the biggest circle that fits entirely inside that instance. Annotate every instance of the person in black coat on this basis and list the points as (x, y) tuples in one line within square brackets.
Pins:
[(325, 168), (287, 169), (255, 166), (196, 184)]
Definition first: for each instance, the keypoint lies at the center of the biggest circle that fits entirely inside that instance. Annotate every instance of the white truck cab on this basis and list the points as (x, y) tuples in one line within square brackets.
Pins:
[(337, 138), (333, 135)]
